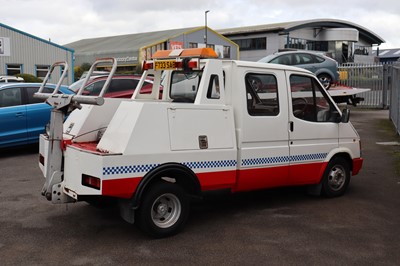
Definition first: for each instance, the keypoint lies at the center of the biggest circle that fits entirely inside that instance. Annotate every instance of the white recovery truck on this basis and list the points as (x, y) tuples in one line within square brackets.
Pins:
[(207, 124)]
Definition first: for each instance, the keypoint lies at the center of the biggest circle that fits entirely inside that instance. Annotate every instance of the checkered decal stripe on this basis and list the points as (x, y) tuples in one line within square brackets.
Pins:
[(267, 160), (283, 159), (210, 164), (308, 157), (144, 168), (116, 170)]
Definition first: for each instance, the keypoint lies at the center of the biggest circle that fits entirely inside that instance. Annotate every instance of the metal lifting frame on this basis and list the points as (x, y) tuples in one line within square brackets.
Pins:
[(62, 105)]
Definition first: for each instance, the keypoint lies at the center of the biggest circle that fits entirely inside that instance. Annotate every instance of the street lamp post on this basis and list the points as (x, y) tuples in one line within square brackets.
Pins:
[(205, 29)]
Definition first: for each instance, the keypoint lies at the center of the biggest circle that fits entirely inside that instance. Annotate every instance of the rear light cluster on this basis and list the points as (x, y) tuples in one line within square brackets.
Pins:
[(91, 181)]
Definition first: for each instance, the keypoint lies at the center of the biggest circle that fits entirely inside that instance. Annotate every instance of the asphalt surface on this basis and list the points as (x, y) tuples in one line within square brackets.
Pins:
[(272, 227)]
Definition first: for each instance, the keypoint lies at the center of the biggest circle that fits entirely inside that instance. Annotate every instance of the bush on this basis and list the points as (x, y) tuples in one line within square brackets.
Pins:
[(30, 78)]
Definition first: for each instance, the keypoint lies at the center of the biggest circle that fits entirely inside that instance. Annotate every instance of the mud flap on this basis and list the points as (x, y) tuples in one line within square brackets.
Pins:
[(314, 190), (126, 210)]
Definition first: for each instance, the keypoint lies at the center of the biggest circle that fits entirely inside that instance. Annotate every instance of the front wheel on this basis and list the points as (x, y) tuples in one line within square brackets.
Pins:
[(336, 177), (164, 210)]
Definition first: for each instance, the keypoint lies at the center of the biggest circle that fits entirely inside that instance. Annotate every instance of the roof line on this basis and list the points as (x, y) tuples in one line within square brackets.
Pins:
[(37, 38)]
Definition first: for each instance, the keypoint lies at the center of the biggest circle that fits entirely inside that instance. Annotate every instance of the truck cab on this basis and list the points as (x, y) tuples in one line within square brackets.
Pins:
[(207, 124)]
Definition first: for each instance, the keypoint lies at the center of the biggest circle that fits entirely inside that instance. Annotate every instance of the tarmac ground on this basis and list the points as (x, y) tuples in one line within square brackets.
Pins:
[(270, 227)]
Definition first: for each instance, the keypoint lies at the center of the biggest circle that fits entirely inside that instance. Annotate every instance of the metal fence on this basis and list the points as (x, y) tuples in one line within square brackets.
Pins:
[(383, 80), (369, 76), (394, 110)]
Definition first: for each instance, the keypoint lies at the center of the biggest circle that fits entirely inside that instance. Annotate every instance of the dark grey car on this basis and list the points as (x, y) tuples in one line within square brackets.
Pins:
[(325, 68)]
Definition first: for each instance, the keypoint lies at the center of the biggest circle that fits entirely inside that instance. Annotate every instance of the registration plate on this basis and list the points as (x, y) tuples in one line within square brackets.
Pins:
[(164, 65)]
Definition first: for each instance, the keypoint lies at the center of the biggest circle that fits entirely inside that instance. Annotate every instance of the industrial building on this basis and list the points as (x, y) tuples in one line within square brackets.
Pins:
[(342, 40), (130, 50), (23, 53)]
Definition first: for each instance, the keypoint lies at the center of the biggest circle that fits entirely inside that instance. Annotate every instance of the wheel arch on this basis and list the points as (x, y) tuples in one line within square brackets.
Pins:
[(169, 172), (340, 153)]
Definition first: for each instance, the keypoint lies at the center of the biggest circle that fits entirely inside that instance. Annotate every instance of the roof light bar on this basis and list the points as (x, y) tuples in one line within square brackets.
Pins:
[(191, 52)]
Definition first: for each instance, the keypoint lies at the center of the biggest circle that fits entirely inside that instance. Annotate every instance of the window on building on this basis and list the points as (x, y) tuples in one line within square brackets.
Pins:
[(211, 46), (41, 70), (14, 69), (193, 45), (227, 52), (252, 44), (296, 43), (318, 46)]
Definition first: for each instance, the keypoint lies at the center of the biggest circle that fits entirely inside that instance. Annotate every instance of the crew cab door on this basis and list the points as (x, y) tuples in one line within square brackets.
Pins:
[(313, 128), (263, 151)]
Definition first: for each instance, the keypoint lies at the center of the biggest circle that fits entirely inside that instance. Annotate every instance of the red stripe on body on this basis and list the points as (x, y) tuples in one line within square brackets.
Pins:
[(217, 180), (237, 180), (120, 188), (257, 178), (305, 174)]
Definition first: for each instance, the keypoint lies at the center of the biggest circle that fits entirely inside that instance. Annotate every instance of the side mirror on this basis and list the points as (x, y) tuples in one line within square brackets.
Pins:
[(345, 116)]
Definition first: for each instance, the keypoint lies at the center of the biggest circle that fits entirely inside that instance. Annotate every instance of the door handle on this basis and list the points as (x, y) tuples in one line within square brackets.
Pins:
[(291, 126), (19, 114)]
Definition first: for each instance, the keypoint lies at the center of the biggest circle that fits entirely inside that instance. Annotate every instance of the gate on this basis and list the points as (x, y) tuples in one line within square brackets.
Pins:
[(369, 76)]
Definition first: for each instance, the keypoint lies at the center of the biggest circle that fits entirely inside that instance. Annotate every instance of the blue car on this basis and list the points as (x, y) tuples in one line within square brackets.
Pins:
[(23, 117)]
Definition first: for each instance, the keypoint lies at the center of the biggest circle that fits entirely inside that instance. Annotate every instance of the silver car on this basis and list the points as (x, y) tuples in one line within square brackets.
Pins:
[(325, 68)]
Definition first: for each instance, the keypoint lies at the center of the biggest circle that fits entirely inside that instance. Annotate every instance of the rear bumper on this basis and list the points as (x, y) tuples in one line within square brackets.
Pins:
[(357, 164)]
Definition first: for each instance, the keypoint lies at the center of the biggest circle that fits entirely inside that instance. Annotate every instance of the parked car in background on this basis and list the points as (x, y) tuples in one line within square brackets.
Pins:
[(325, 68), (121, 86), (6, 79), (23, 117), (94, 73), (78, 84)]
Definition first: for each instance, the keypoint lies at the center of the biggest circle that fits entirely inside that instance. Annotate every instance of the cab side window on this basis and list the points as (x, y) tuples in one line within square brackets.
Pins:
[(262, 94), (309, 101)]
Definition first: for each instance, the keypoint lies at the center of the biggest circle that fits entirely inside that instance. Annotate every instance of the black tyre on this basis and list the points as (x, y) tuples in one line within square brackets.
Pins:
[(326, 80), (336, 177), (164, 210)]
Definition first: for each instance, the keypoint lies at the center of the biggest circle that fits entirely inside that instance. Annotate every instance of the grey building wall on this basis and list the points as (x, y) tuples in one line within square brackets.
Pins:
[(32, 53)]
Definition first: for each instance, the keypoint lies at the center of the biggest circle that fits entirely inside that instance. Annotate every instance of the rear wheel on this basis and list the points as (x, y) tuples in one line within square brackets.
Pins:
[(164, 210), (336, 177)]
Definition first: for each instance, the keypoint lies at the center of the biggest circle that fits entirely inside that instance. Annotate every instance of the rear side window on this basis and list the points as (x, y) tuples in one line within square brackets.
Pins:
[(306, 59), (213, 91), (184, 86), (262, 94), (319, 59)]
